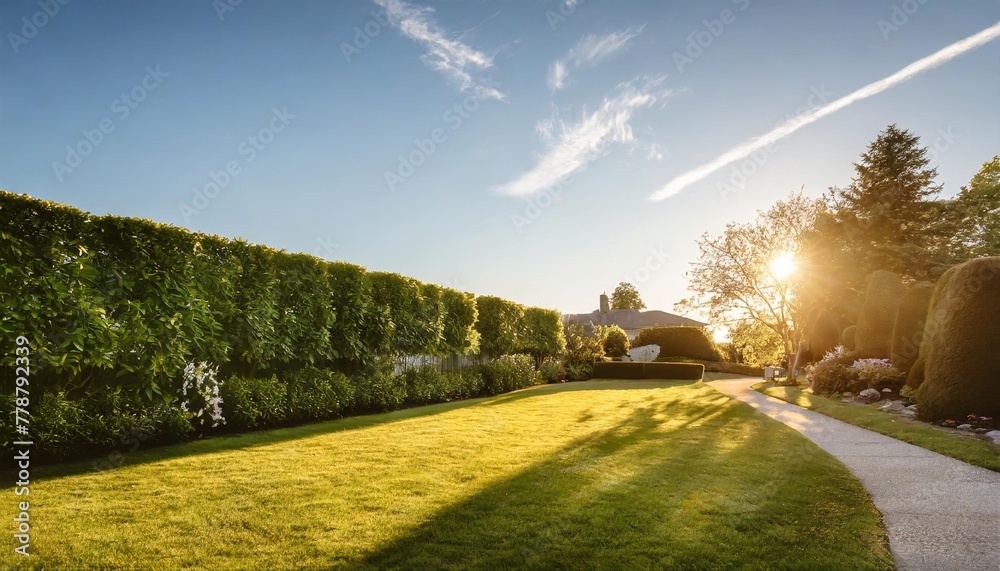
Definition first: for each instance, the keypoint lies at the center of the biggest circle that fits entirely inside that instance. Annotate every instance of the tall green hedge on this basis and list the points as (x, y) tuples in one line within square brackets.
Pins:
[(679, 341), (962, 361), (909, 326), (108, 301), (915, 376), (506, 328), (873, 336)]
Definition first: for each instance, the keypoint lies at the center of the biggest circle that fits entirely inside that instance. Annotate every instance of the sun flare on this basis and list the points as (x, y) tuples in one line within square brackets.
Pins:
[(783, 265)]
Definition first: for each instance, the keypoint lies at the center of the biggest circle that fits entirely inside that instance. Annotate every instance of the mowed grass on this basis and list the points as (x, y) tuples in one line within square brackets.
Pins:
[(602, 474), (960, 446)]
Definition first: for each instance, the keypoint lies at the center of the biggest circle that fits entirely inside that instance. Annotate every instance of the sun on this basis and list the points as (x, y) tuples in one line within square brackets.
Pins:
[(783, 265)]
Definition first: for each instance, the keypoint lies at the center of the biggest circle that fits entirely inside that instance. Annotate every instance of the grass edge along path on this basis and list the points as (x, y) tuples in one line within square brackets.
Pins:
[(591, 474), (960, 447)]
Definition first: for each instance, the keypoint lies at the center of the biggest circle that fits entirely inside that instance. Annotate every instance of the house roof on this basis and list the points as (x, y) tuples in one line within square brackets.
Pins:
[(632, 319)]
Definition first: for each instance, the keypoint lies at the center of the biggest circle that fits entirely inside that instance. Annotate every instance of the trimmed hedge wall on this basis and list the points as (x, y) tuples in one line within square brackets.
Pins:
[(873, 336), (680, 341), (962, 361), (631, 370), (112, 301), (119, 306), (909, 326)]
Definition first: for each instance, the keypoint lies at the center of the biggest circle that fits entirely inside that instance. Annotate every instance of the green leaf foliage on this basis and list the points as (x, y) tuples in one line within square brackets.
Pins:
[(683, 342), (109, 301)]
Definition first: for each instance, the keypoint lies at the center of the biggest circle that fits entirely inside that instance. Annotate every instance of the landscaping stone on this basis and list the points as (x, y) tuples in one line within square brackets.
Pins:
[(909, 413), (892, 406), (964, 427), (869, 395), (994, 435)]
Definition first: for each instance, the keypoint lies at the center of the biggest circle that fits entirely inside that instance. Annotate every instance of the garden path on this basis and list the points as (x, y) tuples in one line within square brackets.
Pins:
[(940, 513)]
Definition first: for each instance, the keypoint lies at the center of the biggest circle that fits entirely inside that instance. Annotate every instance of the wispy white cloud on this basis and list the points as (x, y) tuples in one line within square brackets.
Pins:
[(788, 127), (572, 146), (588, 52), (655, 152), (557, 75), (451, 57)]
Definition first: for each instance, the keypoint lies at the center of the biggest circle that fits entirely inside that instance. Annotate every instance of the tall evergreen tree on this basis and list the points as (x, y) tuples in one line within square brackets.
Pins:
[(886, 219)]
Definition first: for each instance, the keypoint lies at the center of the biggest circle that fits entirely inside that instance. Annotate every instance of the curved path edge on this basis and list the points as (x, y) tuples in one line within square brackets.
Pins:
[(940, 513)]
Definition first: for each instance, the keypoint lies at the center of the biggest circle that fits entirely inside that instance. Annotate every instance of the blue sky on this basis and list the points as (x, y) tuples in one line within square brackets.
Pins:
[(503, 148)]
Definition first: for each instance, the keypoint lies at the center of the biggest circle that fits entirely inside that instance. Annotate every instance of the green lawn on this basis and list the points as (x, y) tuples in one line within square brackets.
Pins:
[(602, 474), (966, 448)]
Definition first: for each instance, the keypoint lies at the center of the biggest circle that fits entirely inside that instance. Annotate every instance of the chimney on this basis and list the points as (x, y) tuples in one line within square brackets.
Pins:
[(605, 307)]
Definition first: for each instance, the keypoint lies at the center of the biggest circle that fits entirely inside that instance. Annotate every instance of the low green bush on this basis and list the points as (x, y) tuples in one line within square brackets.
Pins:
[(834, 378), (879, 374), (429, 385), (618, 370), (614, 340), (632, 370), (65, 428), (251, 403), (463, 383), (377, 389), (317, 394), (509, 373), (552, 371)]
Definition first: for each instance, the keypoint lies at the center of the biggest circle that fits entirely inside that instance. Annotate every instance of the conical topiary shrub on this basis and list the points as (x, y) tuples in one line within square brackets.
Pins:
[(962, 364), (824, 335), (878, 315), (909, 327), (916, 373), (849, 338)]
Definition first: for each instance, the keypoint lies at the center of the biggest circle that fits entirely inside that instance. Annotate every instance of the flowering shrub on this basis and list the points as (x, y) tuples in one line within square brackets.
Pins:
[(863, 364), (836, 353), (832, 373), (879, 374), (832, 377), (200, 395)]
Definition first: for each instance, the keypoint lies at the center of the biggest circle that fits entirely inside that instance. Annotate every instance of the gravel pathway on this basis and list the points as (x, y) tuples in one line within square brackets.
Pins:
[(940, 513)]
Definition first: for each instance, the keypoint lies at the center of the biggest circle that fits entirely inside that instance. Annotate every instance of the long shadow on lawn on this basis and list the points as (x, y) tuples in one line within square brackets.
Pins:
[(249, 440), (642, 495), (702, 493)]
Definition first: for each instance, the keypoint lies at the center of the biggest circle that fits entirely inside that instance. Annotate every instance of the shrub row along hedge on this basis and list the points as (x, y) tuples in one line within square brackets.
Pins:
[(631, 370), (67, 429), (107, 301), (687, 342)]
